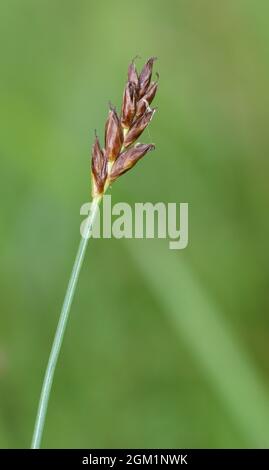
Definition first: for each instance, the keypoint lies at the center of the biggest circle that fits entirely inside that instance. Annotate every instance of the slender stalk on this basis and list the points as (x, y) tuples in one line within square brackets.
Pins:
[(58, 339)]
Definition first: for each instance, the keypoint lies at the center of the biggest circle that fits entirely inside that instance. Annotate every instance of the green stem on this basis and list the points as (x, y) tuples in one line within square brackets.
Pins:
[(58, 339)]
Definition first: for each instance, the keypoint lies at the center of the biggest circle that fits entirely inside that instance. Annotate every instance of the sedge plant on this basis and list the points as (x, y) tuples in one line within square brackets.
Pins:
[(120, 153)]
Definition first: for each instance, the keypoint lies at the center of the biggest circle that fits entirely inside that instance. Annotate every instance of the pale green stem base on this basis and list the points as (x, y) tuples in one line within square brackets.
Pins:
[(58, 339)]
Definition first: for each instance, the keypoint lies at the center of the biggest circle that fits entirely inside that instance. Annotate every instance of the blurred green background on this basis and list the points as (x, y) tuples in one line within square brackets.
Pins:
[(163, 348)]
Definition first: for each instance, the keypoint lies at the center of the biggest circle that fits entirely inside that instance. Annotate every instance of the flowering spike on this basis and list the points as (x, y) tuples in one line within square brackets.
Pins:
[(119, 153)]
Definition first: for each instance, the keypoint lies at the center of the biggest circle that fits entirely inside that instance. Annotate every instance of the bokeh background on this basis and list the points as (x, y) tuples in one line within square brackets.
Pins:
[(163, 348)]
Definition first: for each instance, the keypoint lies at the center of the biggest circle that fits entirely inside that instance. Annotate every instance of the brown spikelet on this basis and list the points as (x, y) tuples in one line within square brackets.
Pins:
[(113, 135), (121, 153), (144, 102), (99, 168), (128, 159), (145, 76), (132, 74), (128, 105), (138, 127)]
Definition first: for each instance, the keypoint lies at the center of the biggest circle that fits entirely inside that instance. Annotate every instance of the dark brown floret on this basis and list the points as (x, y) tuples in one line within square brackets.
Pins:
[(138, 127), (128, 159), (113, 135), (145, 76), (99, 167), (129, 105)]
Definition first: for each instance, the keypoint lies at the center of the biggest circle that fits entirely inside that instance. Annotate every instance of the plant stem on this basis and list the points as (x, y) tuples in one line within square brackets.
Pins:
[(58, 339)]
